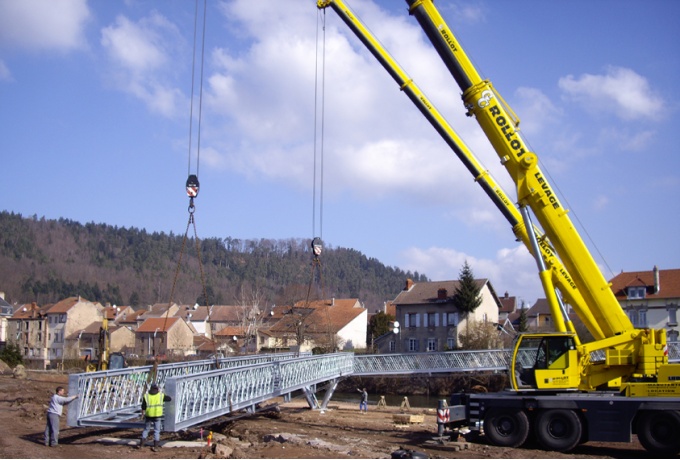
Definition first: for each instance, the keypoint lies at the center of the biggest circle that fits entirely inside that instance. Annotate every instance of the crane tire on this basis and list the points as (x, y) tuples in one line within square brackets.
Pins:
[(506, 427), (658, 430), (558, 430)]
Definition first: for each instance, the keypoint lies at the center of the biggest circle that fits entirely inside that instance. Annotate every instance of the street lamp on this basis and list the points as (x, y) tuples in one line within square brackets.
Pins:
[(154, 341), (79, 336)]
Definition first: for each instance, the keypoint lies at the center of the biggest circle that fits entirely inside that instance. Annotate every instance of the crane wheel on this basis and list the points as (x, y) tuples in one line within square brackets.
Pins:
[(506, 427), (658, 431), (558, 430)]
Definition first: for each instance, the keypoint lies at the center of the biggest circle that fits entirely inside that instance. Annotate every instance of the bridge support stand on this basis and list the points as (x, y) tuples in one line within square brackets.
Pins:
[(332, 385), (310, 395)]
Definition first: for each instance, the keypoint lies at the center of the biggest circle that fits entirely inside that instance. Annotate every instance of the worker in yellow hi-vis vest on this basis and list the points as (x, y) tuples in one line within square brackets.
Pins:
[(152, 407)]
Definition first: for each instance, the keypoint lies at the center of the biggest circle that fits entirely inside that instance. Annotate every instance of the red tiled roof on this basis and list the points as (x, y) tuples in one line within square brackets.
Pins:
[(428, 292), (669, 283), (238, 331), (162, 324), (65, 305)]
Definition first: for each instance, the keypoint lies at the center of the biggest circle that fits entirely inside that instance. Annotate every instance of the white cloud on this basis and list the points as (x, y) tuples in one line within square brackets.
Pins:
[(620, 91), (538, 111), (375, 141), (5, 74), (601, 202), (41, 25), (143, 56), (628, 140), (513, 270)]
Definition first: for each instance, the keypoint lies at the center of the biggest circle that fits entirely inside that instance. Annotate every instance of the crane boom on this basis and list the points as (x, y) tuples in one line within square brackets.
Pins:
[(559, 391), (501, 126), (560, 275)]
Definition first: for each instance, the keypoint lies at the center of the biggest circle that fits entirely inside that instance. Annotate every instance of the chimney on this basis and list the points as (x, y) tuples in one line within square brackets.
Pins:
[(441, 294), (506, 294), (657, 284), (409, 284)]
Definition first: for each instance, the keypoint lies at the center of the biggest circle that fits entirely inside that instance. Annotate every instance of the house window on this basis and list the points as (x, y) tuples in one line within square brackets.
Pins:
[(636, 292), (638, 318), (62, 318), (393, 345), (431, 319), (411, 320), (451, 343), (451, 319), (431, 344), (412, 344), (672, 315)]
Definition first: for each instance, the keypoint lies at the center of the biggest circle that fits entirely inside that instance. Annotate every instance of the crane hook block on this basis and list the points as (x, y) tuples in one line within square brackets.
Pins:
[(317, 246), (192, 186)]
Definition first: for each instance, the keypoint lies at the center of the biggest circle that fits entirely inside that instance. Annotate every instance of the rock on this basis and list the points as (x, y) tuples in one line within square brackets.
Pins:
[(19, 372), (222, 450)]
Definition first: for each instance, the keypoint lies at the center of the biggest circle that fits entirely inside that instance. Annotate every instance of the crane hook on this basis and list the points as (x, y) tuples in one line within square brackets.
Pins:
[(192, 190)]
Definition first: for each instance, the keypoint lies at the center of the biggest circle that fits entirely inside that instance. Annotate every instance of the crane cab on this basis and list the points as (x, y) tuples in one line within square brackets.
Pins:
[(545, 362)]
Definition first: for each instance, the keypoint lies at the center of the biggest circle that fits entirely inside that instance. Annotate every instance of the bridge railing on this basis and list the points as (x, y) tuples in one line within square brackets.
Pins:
[(114, 396), (201, 397)]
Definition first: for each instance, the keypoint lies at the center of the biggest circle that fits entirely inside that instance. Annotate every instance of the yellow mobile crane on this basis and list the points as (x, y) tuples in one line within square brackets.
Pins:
[(563, 391)]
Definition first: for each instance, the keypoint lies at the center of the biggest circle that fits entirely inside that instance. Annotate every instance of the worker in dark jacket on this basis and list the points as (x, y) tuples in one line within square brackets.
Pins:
[(152, 407)]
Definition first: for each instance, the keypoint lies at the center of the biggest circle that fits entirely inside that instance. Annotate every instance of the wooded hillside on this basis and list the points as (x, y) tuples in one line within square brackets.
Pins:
[(48, 260)]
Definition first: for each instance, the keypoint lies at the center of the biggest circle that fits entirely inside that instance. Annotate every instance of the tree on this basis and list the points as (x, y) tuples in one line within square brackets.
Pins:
[(480, 336), (11, 355), (523, 326), (467, 296), (378, 325)]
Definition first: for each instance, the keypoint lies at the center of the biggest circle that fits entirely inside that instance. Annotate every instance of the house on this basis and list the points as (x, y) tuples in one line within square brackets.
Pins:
[(164, 336), (332, 324), (6, 311), (650, 298), (509, 306), (428, 319), (26, 328), (85, 343), (66, 317), (40, 332), (539, 317)]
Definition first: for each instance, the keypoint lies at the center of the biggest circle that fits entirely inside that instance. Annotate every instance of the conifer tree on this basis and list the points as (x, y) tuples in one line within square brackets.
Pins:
[(467, 296)]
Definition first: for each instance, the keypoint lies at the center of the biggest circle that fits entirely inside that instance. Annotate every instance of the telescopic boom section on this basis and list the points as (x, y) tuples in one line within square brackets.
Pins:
[(533, 189), (560, 276)]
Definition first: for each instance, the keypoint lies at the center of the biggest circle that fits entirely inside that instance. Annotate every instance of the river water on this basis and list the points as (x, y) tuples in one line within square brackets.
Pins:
[(391, 400)]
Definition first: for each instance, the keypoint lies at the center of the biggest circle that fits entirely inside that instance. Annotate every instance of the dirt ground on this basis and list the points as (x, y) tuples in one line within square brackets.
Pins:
[(291, 431)]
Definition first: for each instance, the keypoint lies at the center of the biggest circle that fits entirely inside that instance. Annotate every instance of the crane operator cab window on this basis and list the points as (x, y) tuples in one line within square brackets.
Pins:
[(544, 362)]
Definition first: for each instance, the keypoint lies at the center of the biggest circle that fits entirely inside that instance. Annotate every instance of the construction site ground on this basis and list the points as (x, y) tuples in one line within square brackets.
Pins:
[(290, 430)]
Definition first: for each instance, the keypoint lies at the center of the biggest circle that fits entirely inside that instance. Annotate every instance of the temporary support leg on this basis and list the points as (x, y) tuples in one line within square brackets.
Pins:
[(311, 397), (332, 385)]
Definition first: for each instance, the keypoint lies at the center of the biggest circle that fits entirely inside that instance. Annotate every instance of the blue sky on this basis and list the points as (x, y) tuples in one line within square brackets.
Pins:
[(95, 111)]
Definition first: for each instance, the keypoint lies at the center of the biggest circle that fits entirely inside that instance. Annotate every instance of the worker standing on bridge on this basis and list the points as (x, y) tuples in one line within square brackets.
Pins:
[(152, 407), (54, 411)]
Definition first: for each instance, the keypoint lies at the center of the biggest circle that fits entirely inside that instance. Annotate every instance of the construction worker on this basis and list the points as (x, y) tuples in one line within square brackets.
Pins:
[(152, 407)]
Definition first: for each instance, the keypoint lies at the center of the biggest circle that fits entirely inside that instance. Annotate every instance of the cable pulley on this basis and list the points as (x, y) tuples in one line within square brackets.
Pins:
[(192, 190)]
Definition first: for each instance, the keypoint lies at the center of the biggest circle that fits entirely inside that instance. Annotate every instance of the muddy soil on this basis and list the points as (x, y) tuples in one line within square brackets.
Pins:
[(290, 430)]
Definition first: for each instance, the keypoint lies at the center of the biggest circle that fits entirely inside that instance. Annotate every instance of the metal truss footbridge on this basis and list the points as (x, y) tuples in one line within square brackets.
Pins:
[(207, 389)]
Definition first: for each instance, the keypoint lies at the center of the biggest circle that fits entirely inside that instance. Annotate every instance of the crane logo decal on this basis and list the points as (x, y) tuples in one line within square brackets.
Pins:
[(485, 99), (448, 38), (510, 134)]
